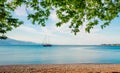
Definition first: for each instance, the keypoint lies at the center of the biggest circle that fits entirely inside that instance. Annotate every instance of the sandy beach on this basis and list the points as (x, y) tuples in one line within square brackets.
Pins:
[(61, 68)]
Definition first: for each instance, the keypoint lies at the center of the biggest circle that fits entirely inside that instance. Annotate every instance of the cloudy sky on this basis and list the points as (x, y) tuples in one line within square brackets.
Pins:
[(62, 35)]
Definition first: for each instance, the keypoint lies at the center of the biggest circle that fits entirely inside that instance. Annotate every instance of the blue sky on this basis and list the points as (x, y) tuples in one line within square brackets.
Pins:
[(62, 35)]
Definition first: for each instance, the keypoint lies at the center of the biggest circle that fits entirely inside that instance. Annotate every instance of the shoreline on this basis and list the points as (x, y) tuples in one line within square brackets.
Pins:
[(61, 68)]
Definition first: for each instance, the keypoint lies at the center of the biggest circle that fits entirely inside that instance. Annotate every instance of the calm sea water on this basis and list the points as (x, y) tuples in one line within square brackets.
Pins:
[(59, 54)]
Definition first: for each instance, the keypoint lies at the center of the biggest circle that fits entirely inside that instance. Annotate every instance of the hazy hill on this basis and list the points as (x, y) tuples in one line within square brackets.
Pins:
[(15, 42)]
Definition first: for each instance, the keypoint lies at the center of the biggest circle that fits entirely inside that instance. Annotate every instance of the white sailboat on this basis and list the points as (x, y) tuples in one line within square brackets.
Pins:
[(46, 42)]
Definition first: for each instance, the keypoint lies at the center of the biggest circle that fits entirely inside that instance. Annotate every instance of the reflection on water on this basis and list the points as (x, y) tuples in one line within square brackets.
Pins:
[(59, 54)]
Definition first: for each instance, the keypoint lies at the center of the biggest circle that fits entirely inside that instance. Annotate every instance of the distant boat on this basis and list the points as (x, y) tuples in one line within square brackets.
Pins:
[(46, 43)]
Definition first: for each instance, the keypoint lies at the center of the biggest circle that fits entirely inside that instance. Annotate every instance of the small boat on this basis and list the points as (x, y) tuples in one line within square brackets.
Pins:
[(47, 45), (46, 42)]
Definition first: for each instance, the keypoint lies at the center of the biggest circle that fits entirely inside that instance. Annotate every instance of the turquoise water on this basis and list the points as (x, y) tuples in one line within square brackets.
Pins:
[(59, 54)]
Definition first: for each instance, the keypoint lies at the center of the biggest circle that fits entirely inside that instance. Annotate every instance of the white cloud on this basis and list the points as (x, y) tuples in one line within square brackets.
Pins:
[(54, 17), (9, 1), (21, 11), (61, 36), (26, 29), (27, 33)]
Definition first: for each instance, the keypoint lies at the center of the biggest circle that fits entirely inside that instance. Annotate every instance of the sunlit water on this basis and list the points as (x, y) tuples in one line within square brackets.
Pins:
[(59, 54)]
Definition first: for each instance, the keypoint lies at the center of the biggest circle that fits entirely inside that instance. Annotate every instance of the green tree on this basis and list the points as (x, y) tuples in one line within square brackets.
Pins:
[(74, 11)]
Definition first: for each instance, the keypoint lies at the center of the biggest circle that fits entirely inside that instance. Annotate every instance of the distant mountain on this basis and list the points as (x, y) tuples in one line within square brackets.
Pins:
[(16, 42), (111, 44)]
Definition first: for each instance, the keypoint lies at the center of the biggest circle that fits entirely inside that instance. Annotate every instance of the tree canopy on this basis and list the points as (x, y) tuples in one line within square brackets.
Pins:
[(74, 11)]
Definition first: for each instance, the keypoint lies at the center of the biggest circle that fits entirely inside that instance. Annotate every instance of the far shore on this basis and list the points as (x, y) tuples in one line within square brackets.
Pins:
[(61, 68)]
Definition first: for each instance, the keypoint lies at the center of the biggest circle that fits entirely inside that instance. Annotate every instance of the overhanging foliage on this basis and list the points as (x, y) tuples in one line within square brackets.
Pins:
[(74, 11)]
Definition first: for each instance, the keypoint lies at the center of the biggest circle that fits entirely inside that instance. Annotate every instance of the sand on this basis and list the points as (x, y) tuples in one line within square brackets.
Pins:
[(61, 68)]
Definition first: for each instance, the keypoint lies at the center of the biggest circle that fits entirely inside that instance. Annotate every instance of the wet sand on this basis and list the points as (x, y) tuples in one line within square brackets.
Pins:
[(61, 68)]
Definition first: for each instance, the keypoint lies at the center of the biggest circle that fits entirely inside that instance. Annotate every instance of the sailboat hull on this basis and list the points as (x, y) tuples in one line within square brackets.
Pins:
[(47, 45)]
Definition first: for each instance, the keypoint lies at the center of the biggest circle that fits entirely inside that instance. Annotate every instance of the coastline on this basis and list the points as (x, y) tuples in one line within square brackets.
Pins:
[(61, 68)]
